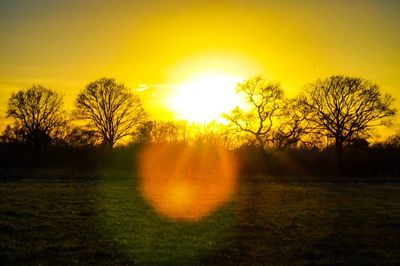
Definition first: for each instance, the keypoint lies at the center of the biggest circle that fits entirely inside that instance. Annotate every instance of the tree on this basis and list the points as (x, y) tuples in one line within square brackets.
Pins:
[(38, 113), (392, 142), (111, 109), (264, 103), (79, 137), (342, 108), (162, 131), (293, 125), (11, 134)]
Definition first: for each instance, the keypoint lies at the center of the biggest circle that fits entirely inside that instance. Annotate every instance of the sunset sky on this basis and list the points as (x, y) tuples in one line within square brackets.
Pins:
[(163, 44)]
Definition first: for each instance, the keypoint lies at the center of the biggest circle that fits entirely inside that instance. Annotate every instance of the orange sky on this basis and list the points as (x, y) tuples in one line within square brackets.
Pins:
[(66, 44)]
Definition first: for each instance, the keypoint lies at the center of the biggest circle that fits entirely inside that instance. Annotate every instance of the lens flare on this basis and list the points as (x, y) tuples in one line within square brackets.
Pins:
[(185, 182)]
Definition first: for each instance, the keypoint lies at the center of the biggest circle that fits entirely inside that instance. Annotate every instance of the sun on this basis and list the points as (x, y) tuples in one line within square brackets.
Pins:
[(204, 97)]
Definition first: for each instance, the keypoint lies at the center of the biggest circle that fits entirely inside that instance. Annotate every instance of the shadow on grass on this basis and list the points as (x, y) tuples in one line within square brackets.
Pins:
[(106, 221), (99, 222), (53, 223), (150, 239)]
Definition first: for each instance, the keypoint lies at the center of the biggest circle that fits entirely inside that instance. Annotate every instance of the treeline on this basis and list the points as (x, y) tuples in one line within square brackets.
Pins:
[(322, 131)]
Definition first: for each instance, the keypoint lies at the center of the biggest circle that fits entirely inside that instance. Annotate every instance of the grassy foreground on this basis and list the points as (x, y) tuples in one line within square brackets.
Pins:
[(106, 221)]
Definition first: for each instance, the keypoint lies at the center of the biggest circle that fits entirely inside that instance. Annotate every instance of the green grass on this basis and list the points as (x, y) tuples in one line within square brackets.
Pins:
[(105, 221)]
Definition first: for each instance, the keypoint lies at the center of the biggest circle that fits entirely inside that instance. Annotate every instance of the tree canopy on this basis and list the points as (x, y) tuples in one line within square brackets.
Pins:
[(265, 115), (111, 109), (342, 108), (38, 114)]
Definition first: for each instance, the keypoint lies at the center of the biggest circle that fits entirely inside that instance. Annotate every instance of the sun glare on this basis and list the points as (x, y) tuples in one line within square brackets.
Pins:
[(186, 182), (204, 97)]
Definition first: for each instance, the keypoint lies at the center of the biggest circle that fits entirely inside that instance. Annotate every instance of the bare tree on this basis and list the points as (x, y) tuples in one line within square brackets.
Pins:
[(342, 108), (163, 131), (393, 142), (12, 134), (38, 112), (79, 137), (264, 103), (111, 109), (183, 132), (293, 125)]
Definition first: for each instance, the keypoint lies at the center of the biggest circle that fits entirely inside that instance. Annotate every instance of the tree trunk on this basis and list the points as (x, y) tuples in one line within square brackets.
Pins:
[(339, 155), (35, 147), (263, 155), (110, 145)]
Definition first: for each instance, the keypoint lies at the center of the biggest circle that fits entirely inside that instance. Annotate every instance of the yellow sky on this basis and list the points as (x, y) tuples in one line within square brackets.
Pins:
[(66, 44)]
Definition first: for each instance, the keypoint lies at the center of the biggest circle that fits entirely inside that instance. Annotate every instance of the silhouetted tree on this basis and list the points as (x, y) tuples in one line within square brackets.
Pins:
[(163, 131), (393, 141), (111, 109), (293, 125), (38, 114), (343, 107), (264, 103), (183, 132), (207, 133), (79, 137), (12, 134)]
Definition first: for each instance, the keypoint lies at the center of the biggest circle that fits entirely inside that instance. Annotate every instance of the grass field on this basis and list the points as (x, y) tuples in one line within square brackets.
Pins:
[(105, 221)]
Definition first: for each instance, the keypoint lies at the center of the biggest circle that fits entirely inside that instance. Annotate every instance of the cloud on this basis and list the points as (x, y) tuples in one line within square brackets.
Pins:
[(141, 87)]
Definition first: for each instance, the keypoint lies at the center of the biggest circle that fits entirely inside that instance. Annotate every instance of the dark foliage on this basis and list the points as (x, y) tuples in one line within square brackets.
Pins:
[(359, 159), (380, 160)]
